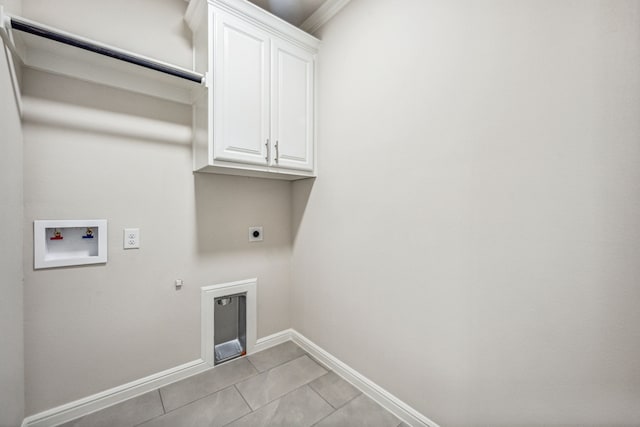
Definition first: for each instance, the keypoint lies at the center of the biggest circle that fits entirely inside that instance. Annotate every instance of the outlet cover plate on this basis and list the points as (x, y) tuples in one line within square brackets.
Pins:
[(131, 238)]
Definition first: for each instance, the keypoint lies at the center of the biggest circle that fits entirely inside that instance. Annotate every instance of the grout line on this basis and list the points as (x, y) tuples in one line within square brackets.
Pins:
[(195, 400), (243, 415), (355, 397), (336, 410), (280, 397), (360, 393), (162, 402), (345, 403), (318, 393), (304, 353), (157, 416), (322, 364), (311, 388), (323, 418), (266, 404), (275, 366), (251, 363), (217, 391), (245, 400), (285, 362), (148, 421)]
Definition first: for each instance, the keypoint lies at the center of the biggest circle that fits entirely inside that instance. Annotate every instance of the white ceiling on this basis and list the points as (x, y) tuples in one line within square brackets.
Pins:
[(293, 11)]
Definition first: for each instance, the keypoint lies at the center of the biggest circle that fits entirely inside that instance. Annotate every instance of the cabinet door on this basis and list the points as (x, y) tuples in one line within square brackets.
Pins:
[(240, 90), (292, 106)]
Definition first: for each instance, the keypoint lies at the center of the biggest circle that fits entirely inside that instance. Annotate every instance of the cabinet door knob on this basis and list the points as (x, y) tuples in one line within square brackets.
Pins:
[(277, 152)]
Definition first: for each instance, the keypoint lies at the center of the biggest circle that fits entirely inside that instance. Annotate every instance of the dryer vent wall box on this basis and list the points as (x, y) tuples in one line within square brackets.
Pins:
[(230, 327), (257, 114), (62, 243)]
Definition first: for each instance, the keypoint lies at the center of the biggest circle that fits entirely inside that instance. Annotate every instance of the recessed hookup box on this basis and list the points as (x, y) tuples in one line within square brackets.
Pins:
[(61, 243)]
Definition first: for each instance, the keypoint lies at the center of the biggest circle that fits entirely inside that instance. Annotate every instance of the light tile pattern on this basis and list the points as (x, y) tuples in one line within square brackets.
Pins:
[(185, 391), (285, 388), (334, 389), (360, 412), (301, 407), (215, 410), (277, 382), (274, 356)]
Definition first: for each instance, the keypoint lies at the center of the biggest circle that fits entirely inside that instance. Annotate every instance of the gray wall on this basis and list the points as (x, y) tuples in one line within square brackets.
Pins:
[(11, 310), (472, 243), (91, 328)]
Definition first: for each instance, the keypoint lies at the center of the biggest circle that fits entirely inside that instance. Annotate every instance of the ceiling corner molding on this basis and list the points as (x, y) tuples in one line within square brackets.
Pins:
[(328, 10)]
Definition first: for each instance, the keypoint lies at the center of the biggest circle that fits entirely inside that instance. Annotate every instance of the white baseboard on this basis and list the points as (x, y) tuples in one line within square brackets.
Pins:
[(96, 402), (81, 407), (381, 396), (69, 411), (272, 340)]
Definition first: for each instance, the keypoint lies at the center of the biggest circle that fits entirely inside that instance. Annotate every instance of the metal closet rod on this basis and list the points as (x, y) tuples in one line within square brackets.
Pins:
[(48, 33)]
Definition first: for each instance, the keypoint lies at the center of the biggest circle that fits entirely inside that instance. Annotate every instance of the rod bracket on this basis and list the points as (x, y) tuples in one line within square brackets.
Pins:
[(12, 55)]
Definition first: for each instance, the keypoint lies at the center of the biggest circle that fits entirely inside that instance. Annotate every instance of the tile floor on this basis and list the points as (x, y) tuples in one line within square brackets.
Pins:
[(281, 386)]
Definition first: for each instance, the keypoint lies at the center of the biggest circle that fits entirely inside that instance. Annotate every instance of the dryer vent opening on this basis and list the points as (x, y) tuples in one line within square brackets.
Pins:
[(229, 327)]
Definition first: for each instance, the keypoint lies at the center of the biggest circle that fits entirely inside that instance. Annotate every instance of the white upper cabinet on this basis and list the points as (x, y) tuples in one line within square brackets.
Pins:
[(292, 106), (241, 91), (257, 115)]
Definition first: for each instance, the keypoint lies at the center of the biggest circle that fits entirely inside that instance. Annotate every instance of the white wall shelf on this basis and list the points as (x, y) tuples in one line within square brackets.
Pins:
[(45, 48)]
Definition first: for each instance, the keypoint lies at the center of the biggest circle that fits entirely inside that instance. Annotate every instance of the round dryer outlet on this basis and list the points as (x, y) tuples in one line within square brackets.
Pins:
[(255, 234)]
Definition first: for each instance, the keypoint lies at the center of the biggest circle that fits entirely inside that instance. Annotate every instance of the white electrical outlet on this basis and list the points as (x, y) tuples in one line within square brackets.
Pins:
[(131, 238), (255, 234)]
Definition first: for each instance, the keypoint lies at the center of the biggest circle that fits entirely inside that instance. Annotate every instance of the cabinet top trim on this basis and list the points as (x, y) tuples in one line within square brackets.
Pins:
[(324, 14), (259, 16)]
